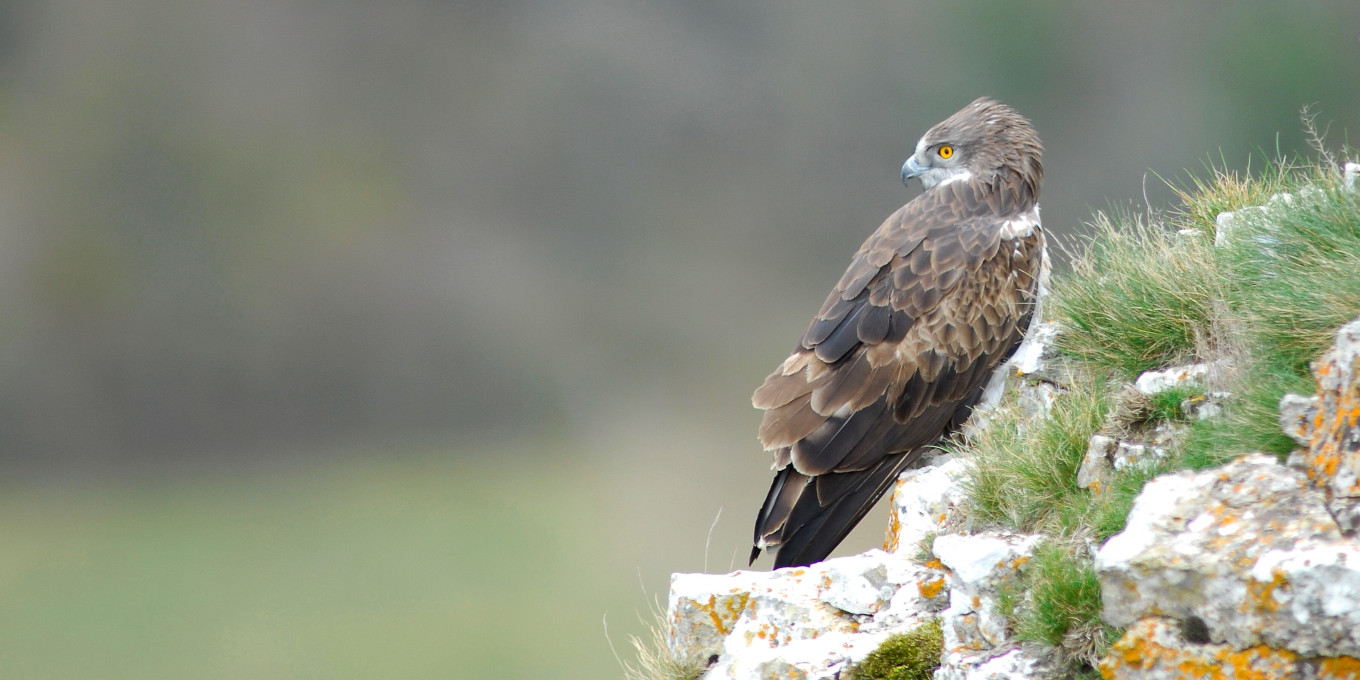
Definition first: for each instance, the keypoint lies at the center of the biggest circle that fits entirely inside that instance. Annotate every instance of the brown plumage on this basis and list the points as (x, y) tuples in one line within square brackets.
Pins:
[(935, 300)]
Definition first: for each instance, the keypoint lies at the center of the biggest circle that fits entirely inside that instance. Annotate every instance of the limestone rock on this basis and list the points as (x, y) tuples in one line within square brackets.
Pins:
[(1205, 406), (1037, 358), (1020, 662), (1097, 468), (923, 502), (1333, 456), (1036, 400), (1133, 454), (1106, 455), (1152, 382), (822, 658), (1227, 222), (979, 566), (799, 622), (1249, 549), (1296, 416), (1154, 649), (1035, 370)]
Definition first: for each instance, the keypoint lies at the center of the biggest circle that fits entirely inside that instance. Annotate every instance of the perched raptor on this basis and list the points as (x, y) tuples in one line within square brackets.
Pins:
[(934, 302)]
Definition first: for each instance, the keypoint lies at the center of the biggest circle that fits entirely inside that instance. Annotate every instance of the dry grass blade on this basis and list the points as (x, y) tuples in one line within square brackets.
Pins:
[(653, 658)]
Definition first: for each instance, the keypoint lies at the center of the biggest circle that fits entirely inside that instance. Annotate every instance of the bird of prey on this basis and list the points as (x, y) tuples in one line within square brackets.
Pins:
[(933, 304)]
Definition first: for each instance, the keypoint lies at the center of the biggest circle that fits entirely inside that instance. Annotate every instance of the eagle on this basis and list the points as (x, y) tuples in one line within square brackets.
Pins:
[(932, 306)]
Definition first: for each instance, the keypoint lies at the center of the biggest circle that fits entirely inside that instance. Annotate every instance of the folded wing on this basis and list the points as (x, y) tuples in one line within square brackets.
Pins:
[(900, 352)]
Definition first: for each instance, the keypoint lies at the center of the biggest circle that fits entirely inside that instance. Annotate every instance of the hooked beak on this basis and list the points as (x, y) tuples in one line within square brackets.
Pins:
[(911, 169)]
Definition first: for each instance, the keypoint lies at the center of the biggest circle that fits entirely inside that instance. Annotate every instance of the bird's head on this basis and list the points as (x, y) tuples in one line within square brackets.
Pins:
[(986, 140)]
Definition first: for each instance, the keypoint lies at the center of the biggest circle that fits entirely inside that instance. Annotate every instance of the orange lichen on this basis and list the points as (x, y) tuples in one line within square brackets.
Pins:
[(929, 589), (1141, 650), (1334, 425), (935, 563), (894, 533), (724, 614), (1263, 594), (1339, 667)]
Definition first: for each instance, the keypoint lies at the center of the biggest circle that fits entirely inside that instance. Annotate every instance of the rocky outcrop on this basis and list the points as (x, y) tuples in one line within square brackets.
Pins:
[(813, 623), (1248, 550), (1249, 570), (800, 622), (1258, 560), (977, 643)]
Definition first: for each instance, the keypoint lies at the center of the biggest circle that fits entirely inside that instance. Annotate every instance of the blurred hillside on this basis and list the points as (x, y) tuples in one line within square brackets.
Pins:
[(228, 225), (391, 266)]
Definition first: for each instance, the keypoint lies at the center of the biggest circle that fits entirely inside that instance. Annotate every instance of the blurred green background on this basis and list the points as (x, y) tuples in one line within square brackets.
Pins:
[(412, 339)]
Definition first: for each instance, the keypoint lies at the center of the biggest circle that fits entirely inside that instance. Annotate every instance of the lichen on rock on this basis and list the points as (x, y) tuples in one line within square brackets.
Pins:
[(1329, 425), (1249, 549)]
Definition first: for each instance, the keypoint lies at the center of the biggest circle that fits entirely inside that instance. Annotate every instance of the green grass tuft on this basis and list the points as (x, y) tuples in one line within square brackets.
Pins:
[(1023, 475), (1139, 296), (1202, 200), (1064, 595), (1266, 302), (654, 660), (910, 656), (1296, 274), (1168, 404)]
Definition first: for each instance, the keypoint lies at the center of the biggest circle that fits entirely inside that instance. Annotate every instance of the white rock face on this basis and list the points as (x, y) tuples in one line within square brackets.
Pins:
[(1106, 455), (1035, 356), (1296, 417), (1206, 406), (1252, 557), (1153, 382), (979, 566), (1331, 431), (1036, 373), (824, 657), (1097, 468), (1023, 662), (799, 622), (1036, 400), (1249, 549), (1154, 649), (923, 501)]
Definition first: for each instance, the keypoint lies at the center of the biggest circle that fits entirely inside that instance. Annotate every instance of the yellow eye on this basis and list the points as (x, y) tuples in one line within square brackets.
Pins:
[(946, 151)]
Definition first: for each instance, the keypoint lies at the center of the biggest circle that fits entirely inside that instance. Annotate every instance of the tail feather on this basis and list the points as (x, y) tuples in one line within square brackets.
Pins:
[(803, 530)]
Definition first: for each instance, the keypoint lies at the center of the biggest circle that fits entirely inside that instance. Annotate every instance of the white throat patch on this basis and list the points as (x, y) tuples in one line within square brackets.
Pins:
[(946, 176)]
